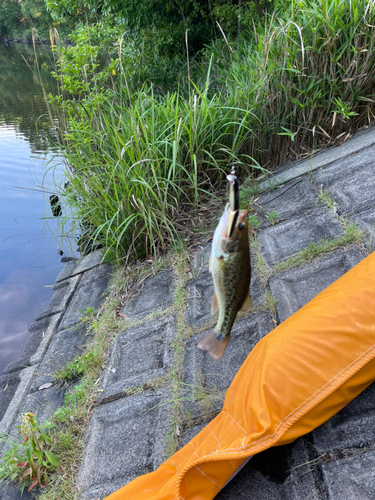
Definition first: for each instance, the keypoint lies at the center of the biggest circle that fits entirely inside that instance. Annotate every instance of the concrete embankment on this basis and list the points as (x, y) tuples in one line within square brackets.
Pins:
[(312, 229)]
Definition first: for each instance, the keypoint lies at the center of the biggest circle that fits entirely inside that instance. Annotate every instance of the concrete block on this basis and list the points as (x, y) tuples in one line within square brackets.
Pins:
[(8, 387), (351, 182), (80, 266), (10, 410), (61, 298), (294, 288), (285, 239), (353, 426), (200, 259), (43, 403), (201, 291), (361, 140), (12, 492), (125, 439), (274, 474), (351, 478), (65, 346), (198, 310), (137, 356), (89, 293), (256, 289), (366, 221), (156, 295), (206, 380), (291, 199), (42, 332)]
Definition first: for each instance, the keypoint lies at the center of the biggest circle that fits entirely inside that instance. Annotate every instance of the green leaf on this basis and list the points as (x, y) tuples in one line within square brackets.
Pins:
[(52, 458)]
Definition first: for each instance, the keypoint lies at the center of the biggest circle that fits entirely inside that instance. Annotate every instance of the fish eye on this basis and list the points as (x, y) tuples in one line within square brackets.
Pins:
[(241, 225)]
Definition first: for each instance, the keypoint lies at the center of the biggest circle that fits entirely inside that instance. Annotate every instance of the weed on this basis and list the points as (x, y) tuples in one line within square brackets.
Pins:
[(31, 463), (253, 222), (206, 395), (270, 302), (273, 217), (326, 198), (353, 234), (88, 315), (248, 191), (76, 368), (180, 260), (343, 109), (260, 263)]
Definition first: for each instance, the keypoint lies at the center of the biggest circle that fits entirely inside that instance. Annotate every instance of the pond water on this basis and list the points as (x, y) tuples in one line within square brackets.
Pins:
[(29, 263)]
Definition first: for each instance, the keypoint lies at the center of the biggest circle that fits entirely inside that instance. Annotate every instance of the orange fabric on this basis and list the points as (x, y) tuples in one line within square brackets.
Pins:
[(295, 378)]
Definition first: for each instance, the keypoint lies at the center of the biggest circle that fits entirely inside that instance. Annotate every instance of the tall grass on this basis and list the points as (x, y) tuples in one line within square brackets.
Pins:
[(308, 77), (140, 165), (140, 172)]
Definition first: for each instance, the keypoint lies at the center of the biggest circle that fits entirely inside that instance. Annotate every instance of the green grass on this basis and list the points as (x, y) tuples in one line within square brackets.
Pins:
[(326, 198), (270, 302), (353, 234), (260, 264), (138, 174), (307, 74), (175, 373), (253, 222), (80, 365)]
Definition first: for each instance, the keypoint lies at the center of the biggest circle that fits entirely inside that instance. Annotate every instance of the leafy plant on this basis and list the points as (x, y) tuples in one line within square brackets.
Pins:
[(253, 222), (74, 369), (273, 217), (33, 462), (343, 109)]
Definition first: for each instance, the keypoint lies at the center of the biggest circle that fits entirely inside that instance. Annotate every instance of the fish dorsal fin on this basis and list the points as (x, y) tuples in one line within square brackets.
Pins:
[(215, 304), (246, 306)]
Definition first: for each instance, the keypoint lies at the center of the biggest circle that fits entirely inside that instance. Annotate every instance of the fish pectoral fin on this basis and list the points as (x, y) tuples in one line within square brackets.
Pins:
[(215, 304), (213, 345), (246, 306)]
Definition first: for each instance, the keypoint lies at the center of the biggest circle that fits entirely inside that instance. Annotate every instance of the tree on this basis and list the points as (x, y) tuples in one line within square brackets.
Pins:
[(170, 18)]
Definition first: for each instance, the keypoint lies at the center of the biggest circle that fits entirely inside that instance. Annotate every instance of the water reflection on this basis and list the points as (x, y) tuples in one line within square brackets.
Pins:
[(29, 263)]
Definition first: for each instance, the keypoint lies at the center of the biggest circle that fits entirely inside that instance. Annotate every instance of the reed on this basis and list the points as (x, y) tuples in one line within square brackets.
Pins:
[(138, 174), (308, 75)]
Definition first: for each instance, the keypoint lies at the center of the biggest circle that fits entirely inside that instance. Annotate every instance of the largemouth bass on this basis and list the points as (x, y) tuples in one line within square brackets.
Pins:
[(231, 272)]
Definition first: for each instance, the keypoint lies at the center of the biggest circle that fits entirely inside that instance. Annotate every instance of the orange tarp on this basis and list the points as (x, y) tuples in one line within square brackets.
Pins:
[(295, 378)]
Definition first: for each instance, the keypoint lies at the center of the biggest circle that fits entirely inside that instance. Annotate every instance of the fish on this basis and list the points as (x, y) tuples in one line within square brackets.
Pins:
[(230, 267)]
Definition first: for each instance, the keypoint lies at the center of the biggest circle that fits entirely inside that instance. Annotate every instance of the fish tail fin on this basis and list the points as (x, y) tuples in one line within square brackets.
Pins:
[(214, 346)]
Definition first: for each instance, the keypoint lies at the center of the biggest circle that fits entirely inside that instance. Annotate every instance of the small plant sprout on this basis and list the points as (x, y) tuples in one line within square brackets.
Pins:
[(343, 109), (326, 198), (253, 222), (273, 217), (74, 369)]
